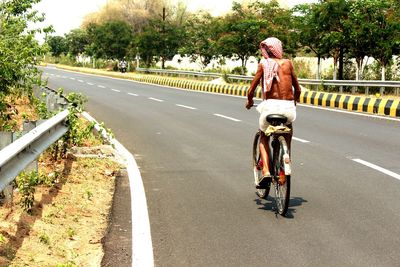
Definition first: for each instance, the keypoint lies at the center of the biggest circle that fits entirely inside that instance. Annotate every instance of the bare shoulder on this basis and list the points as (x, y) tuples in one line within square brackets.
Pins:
[(285, 61), (286, 65)]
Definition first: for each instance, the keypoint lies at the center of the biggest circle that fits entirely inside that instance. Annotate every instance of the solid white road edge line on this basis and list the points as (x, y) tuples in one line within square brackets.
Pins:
[(226, 117), (142, 247), (378, 168)]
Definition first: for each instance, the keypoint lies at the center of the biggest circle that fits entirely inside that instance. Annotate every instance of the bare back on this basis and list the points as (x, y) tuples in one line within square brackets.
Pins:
[(287, 79)]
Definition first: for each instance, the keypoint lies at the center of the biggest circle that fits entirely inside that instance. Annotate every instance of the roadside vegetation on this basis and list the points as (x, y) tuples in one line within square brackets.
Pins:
[(351, 32), (55, 215)]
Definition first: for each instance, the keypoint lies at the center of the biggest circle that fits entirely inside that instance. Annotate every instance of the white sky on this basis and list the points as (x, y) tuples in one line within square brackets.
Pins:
[(66, 15)]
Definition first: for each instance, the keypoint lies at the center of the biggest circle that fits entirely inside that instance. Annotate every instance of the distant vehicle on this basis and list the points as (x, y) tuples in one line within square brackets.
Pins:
[(122, 66)]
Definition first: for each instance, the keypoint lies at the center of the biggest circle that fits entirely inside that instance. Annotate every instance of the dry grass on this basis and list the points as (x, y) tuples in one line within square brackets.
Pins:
[(68, 220)]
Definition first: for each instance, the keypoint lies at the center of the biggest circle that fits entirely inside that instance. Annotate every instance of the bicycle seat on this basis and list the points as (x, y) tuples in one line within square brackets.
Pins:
[(276, 119)]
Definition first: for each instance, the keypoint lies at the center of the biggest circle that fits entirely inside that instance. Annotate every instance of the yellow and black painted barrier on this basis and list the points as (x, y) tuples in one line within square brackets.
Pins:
[(372, 105)]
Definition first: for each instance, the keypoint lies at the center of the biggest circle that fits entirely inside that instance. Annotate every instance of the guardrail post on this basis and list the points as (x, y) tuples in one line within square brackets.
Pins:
[(367, 90), (341, 89), (27, 126), (6, 138)]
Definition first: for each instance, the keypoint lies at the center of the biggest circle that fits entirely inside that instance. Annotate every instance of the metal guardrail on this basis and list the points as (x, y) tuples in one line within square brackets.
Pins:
[(16, 156), (337, 83)]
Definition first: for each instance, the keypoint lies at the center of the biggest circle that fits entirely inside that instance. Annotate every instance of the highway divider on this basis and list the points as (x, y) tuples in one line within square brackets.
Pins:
[(358, 103)]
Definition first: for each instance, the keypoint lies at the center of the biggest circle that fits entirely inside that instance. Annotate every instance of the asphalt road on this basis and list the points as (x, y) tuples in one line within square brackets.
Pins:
[(194, 153)]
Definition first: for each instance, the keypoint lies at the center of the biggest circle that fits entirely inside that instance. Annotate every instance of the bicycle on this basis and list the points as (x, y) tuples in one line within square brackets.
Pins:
[(280, 165)]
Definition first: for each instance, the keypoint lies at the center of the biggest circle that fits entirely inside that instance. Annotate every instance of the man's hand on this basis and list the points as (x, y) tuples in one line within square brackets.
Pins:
[(249, 103)]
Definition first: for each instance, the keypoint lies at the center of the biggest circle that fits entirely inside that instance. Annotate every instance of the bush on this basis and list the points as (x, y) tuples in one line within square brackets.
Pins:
[(302, 69)]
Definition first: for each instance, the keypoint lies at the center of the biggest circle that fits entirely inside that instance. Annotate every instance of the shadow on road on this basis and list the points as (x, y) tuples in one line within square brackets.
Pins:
[(269, 204)]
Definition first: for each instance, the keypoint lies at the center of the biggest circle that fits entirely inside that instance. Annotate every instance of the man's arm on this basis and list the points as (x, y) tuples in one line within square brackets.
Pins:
[(253, 86), (295, 83)]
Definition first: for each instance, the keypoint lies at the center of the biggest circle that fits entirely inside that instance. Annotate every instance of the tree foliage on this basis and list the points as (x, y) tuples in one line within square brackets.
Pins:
[(110, 40), (57, 45), (338, 29), (19, 50)]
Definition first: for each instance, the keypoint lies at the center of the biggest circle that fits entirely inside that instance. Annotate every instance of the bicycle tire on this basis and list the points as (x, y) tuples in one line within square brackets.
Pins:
[(257, 167), (282, 191)]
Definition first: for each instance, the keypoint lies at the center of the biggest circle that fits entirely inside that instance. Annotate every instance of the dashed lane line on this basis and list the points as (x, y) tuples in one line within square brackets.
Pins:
[(378, 168), (115, 90), (226, 117), (156, 99), (132, 94), (187, 107), (101, 86), (90, 83), (300, 140)]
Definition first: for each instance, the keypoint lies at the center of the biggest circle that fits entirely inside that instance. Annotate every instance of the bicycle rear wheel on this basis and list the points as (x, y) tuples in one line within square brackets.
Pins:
[(281, 180), (257, 167)]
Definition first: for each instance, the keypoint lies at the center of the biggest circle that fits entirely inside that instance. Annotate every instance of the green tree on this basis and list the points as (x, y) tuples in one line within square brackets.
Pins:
[(146, 45), (308, 28), (110, 40), (386, 28), (19, 51), (200, 40), (332, 18), (277, 22), (240, 34), (161, 39), (77, 40), (58, 45)]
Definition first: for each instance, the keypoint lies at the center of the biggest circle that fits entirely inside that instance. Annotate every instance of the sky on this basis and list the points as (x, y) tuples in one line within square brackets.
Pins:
[(66, 15)]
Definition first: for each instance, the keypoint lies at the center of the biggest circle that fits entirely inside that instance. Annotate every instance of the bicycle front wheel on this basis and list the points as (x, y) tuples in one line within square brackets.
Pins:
[(258, 166), (281, 180)]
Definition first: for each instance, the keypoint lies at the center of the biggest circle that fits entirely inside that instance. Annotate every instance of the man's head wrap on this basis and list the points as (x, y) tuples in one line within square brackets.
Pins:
[(270, 66)]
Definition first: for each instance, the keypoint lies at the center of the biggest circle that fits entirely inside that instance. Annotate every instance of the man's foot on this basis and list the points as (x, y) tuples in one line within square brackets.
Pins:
[(265, 182)]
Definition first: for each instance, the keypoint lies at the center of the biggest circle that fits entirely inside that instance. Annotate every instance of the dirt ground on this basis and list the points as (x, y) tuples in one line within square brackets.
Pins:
[(68, 220), (69, 217)]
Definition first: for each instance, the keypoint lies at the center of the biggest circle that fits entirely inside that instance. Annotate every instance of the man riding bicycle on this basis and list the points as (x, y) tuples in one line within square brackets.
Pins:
[(277, 78)]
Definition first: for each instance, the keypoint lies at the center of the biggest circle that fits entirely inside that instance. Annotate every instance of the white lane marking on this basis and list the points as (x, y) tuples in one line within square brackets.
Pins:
[(183, 106), (90, 83), (226, 117), (300, 140), (156, 99), (133, 94), (237, 96), (101, 86), (376, 167), (80, 81), (142, 247), (115, 90), (72, 78)]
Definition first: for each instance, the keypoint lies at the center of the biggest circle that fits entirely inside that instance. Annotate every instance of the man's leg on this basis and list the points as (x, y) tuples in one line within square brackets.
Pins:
[(264, 150)]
